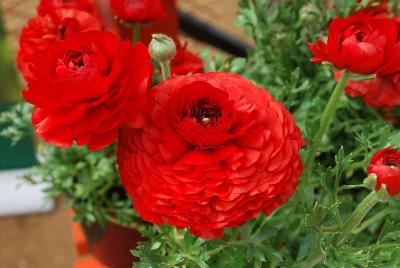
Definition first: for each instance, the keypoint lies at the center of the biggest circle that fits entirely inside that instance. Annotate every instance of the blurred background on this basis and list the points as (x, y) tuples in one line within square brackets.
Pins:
[(35, 232)]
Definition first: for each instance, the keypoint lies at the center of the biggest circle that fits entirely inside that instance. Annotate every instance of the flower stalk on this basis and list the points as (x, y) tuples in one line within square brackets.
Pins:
[(361, 211), (163, 49), (326, 120), (136, 33)]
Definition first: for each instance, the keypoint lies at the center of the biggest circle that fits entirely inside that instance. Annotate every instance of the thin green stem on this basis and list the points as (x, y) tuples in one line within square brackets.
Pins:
[(165, 69), (136, 33), (358, 215), (325, 121)]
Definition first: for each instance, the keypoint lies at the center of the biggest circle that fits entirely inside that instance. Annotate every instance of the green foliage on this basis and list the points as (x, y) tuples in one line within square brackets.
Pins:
[(17, 122), (88, 180)]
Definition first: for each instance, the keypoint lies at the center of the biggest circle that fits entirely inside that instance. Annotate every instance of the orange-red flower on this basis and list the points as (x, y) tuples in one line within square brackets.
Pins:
[(215, 151), (48, 6), (87, 87), (41, 33), (186, 62), (385, 164), (141, 11), (361, 44)]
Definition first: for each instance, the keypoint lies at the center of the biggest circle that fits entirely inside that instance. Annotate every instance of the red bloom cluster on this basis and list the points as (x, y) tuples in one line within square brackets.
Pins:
[(386, 165), (362, 44), (382, 92), (135, 11), (85, 88), (48, 6), (41, 33), (185, 62), (215, 151)]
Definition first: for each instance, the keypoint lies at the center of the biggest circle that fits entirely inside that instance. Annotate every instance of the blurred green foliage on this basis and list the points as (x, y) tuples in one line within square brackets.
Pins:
[(8, 76)]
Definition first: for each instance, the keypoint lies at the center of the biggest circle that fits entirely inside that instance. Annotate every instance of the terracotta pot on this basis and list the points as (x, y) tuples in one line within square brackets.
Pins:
[(168, 26), (112, 245)]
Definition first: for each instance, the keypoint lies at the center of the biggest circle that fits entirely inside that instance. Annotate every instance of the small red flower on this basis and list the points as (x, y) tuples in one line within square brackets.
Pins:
[(215, 152), (48, 6), (185, 62), (361, 44), (386, 165), (85, 88), (42, 32), (382, 92), (141, 11)]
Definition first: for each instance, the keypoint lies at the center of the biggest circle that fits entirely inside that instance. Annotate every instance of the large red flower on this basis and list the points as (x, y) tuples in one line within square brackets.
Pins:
[(87, 87), (386, 165), (138, 11), (48, 6), (215, 152), (42, 32), (361, 44), (185, 62)]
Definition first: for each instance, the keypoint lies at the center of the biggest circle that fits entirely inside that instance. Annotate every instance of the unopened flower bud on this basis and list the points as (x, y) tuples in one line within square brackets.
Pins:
[(162, 48), (370, 181)]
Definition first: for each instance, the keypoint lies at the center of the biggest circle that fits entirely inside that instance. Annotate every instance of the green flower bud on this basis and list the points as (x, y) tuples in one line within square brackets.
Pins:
[(370, 181), (162, 48)]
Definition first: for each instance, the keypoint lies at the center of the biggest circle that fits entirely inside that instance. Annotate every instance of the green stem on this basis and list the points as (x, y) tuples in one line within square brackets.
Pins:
[(358, 215), (136, 33), (325, 121), (165, 69), (378, 217)]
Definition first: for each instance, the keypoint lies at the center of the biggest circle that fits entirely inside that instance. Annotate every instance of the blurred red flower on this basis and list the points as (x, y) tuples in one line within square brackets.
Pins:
[(386, 165), (48, 6), (85, 88), (382, 92), (42, 32), (186, 62), (135, 11), (215, 151), (361, 44)]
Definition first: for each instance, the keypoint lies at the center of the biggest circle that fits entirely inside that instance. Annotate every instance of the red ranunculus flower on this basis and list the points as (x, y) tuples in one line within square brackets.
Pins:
[(42, 32), (185, 62), (87, 87), (48, 6), (135, 11), (382, 92), (361, 44), (215, 152), (386, 165)]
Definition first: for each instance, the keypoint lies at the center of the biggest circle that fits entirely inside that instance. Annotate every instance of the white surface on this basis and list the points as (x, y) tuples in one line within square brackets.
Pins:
[(18, 197)]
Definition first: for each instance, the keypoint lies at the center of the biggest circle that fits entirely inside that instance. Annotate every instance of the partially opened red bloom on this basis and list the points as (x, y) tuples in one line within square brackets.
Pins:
[(215, 151), (138, 11), (48, 6), (85, 88), (382, 92), (42, 32), (361, 44), (386, 165), (186, 62)]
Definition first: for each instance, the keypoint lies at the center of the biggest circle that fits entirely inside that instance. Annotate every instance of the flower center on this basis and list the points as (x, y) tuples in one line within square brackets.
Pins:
[(205, 113), (360, 36), (393, 163), (76, 60), (61, 31)]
